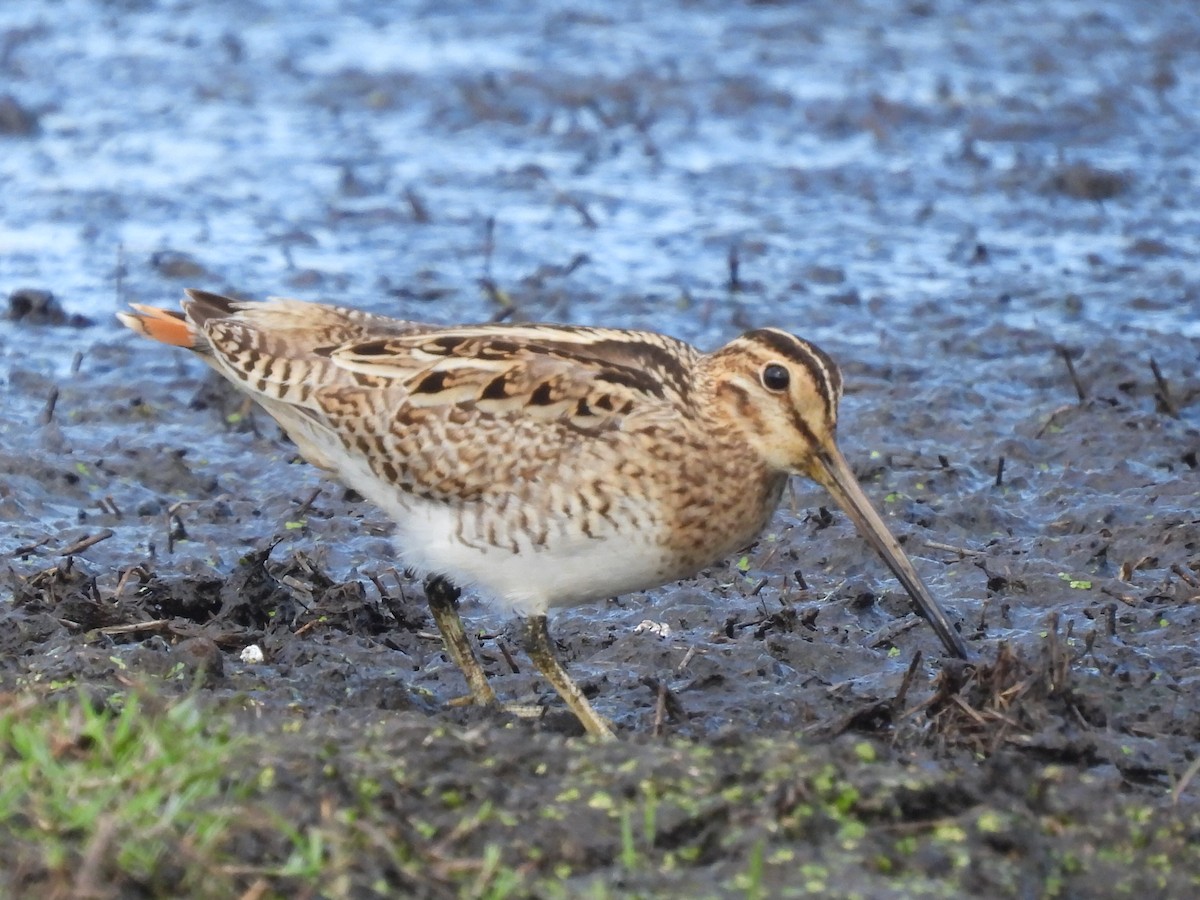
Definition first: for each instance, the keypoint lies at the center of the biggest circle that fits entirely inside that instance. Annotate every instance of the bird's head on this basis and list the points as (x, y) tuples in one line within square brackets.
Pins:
[(781, 394)]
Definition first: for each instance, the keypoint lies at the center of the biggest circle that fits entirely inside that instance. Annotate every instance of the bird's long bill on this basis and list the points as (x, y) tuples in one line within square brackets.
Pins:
[(833, 473)]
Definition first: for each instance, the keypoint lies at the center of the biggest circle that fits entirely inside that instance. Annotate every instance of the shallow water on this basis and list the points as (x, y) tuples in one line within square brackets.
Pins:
[(271, 142)]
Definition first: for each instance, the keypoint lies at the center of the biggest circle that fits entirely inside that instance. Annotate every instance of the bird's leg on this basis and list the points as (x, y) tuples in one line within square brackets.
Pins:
[(541, 651), (443, 603)]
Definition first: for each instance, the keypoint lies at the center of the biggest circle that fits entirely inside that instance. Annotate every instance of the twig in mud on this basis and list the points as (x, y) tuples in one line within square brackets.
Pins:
[(1089, 645), (951, 548), (1066, 358), (393, 602), (1125, 573), (1165, 401), (84, 543), (124, 580), (420, 212), (303, 592), (576, 204), (26, 549), (47, 415), (888, 633), (1184, 781), (489, 246), (574, 263), (374, 579), (666, 706), (734, 283), (898, 700), (507, 313), (1185, 575), (660, 710), (76, 362), (1124, 598), (503, 301), (1000, 472), (508, 657), (175, 524), (306, 627), (967, 708), (1052, 419), (687, 658), (307, 504), (133, 627)]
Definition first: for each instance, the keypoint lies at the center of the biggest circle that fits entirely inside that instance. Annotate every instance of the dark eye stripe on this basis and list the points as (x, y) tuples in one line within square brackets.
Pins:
[(822, 369)]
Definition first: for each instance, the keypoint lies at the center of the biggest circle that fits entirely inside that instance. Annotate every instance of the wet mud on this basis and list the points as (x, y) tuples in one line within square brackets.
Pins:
[(991, 226)]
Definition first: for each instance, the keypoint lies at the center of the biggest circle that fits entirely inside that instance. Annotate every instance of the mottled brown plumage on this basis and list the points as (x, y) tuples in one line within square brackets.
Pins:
[(547, 465)]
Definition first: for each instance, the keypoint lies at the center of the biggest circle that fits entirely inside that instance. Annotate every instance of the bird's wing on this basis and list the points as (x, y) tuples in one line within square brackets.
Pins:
[(450, 414)]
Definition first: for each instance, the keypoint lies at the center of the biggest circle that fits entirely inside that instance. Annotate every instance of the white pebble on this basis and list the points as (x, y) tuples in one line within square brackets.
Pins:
[(661, 629), (252, 655)]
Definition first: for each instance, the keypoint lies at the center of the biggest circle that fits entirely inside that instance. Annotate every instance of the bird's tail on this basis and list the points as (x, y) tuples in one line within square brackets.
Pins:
[(163, 325)]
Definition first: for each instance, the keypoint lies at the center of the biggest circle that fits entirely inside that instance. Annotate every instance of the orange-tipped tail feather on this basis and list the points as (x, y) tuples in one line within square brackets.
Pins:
[(160, 325)]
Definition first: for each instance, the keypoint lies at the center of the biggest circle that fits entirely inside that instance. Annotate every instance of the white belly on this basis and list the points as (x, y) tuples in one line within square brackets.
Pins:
[(509, 566)]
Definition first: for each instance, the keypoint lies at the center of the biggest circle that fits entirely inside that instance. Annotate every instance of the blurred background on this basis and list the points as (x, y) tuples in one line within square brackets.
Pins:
[(835, 169)]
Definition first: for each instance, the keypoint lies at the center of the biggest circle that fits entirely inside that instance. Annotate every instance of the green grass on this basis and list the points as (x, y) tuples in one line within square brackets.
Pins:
[(144, 796), (90, 794)]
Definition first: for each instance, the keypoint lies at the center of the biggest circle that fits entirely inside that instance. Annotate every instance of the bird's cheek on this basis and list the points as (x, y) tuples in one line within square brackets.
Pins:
[(811, 468)]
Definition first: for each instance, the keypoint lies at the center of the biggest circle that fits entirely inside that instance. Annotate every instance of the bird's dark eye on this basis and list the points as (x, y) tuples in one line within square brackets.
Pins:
[(776, 377)]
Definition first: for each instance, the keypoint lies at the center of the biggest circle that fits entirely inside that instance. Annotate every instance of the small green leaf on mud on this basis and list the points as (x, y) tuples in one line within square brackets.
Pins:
[(950, 833), (294, 525), (865, 751), (743, 565), (1077, 584), (990, 822), (851, 833), (601, 800)]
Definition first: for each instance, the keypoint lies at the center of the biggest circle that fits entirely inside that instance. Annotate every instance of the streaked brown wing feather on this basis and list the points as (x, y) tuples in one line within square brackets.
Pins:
[(544, 371), (460, 395), (427, 405)]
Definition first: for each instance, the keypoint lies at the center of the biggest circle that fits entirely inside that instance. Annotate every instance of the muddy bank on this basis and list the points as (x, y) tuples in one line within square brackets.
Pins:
[(989, 224)]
